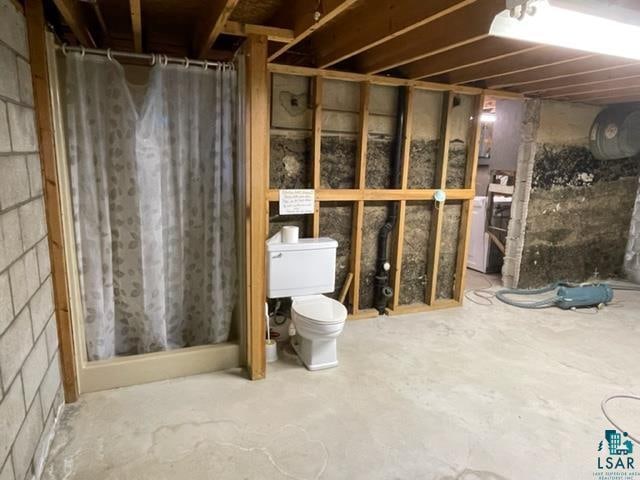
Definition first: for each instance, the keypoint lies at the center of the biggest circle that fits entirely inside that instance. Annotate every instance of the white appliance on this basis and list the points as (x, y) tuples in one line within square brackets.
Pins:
[(304, 271), (482, 255)]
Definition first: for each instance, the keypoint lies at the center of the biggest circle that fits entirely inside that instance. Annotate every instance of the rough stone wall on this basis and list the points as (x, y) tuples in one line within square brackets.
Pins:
[(448, 250), (413, 281), (632, 253), (336, 221), (30, 385), (375, 214), (580, 208)]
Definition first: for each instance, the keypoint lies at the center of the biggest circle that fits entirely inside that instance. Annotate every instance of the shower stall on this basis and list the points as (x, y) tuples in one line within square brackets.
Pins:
[(150, 174)]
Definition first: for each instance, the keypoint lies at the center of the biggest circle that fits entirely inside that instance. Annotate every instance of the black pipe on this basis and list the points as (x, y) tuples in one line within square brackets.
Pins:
[(382, 290)]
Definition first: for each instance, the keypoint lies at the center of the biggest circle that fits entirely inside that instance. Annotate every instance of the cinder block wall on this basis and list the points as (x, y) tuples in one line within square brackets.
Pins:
[(30, 386)]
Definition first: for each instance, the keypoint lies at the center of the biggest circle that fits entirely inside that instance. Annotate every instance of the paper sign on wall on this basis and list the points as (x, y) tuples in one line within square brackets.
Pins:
[(296, 202)]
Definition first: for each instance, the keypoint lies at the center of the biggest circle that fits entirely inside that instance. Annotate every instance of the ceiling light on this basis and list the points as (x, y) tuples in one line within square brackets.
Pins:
[(589, 25)]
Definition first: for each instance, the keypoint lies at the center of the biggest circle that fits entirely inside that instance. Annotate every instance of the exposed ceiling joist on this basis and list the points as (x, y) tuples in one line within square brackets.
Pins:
[(274, 34), (70, 11), (135, 12), (374, 22), (613, 100), (211, 24), (589, 65), (485, 50), (462, 27), (581, 79), (612, 87), (308, 16), (543, 57), (619, 96)]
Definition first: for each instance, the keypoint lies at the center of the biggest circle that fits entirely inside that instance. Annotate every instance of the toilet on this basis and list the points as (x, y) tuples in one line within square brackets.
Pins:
[(305, 271)]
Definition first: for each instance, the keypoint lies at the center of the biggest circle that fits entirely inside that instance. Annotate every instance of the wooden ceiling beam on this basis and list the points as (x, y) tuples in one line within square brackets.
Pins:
[(73, 17), (462, 27), (135, 11), (604, 88), (211, 24), (373, 22), (273, 34), (568, 69), (581, 79), (485, 50), (304, 19), (621, 96), (543, 57)]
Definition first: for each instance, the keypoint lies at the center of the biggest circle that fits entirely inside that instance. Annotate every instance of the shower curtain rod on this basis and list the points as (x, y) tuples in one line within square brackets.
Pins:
[(153, 58)]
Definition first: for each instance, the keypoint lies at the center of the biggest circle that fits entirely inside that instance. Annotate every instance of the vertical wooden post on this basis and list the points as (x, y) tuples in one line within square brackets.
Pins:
[(257, 126), (406, 154), (317, 139), (437, 213), (467, 205), (40, 76), (358, 214)]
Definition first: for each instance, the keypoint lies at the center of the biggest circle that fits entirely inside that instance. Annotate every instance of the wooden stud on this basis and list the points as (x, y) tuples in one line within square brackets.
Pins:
[(464, 26), (135, 11), (345, 288), (390, 81), (404, 180), (358, 216), (351, 195), (72, 15), (423, 307), (317, 142), (467, 206), (305, 19), (482, 51), (274, 34), (437, 213), (374, 22), (40, 76), (257, 126), (211, 25), (631, 94)]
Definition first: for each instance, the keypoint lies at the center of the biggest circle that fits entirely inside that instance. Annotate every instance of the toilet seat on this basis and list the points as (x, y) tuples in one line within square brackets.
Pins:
[(318, 310)]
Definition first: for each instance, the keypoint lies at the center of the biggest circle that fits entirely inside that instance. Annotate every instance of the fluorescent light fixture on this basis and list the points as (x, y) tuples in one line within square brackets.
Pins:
[(487, 117), (589, 25)]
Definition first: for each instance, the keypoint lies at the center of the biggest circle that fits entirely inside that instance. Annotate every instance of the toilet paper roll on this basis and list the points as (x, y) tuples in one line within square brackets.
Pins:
[(290, 234)]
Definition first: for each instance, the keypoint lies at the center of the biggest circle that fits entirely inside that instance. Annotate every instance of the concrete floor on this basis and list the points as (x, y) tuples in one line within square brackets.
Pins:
[(472, 393)]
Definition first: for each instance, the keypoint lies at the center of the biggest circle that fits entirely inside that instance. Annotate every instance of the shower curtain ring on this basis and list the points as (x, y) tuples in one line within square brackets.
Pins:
[(153, 59), (82, 50), (186, 62), (164, 60), (64, 49), (109, 56), (205, 65)]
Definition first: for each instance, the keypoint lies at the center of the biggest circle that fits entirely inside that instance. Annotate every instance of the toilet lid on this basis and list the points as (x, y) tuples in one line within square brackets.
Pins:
[(320, 309)]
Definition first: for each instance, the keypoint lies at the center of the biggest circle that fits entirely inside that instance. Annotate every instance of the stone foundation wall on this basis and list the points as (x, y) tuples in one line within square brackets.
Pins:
[(579, 208)]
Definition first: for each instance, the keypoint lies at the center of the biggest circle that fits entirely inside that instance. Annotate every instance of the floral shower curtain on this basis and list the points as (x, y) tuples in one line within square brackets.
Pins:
[(153, 205)]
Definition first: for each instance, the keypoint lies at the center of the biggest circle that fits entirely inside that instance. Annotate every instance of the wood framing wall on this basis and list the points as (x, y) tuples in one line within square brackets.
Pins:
[(360, 195)]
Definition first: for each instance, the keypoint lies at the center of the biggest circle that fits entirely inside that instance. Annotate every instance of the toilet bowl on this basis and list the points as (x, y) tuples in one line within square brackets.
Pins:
[(318, 320)]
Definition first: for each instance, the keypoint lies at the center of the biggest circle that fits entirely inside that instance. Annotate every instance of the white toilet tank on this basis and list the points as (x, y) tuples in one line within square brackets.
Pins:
[(304, 268)]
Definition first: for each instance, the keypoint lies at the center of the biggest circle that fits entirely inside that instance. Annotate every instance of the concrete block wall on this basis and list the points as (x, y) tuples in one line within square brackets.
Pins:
[(30, 382)]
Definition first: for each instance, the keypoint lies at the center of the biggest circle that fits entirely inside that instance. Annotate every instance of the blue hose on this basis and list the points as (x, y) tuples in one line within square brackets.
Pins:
[(567, 296)]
